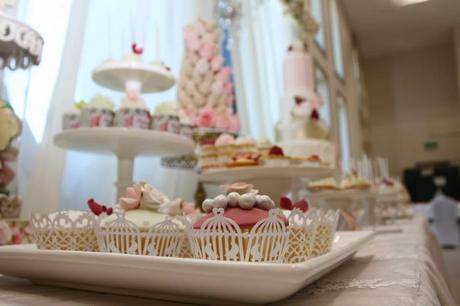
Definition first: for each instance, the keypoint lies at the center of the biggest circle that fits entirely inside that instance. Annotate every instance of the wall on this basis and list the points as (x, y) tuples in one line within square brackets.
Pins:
[(413, 97)]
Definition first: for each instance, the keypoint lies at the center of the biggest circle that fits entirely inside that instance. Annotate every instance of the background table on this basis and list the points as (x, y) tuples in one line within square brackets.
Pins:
[(398, 268)]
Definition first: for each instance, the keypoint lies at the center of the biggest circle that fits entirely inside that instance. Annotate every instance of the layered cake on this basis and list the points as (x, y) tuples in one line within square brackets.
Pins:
[(205, 90), (301, 131)]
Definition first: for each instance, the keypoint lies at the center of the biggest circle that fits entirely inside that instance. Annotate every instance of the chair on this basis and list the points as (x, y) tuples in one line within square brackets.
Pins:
[(445, 221)]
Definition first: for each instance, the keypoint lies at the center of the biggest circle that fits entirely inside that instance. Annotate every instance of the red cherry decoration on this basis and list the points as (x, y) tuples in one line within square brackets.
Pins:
[(290, 48), (299, 100), (136, 49), (314, 114), (285, 203), (95, 207), (302, 205), (275, 150), (109, 211)]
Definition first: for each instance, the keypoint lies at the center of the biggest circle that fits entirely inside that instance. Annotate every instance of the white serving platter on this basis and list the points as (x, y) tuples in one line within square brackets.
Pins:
[(124, 141), (178, 279)]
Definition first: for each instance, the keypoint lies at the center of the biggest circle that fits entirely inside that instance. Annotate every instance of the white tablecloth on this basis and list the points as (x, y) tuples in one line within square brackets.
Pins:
[(399, 268)]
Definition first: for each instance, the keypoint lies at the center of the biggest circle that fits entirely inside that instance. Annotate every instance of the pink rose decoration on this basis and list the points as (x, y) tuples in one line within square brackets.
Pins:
[(207, 50), (234, 123), (132, 199), (217, 62), (206, 118), (224, 74), (5, 233)]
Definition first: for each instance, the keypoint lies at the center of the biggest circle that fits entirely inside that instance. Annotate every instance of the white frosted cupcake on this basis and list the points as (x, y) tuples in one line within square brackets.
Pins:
[(99, 112), (143, 224), (165, 118)]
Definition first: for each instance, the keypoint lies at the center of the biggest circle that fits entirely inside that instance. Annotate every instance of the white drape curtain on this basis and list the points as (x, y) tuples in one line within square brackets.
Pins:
[(265, 35), (90, 32), (50, 178)]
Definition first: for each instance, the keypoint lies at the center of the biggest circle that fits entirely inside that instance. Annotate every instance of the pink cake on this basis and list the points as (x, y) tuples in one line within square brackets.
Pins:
[(298, 69)]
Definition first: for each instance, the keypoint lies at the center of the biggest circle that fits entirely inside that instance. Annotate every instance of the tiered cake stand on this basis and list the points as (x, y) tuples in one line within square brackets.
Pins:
[(127, 143), (272, 181)]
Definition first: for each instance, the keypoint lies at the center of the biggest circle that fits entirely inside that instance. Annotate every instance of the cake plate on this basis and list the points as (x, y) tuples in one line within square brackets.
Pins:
[(119, 75), (178, 279), (125, 144), (270, 180)]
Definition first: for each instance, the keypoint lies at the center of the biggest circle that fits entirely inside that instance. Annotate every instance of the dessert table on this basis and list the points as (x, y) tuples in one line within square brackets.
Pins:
[(396, 268)]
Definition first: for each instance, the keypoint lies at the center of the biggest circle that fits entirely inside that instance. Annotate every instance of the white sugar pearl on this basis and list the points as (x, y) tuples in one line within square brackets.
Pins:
[(247, 200), (220, 201), (265, 202), (233, 198), (208, 205)]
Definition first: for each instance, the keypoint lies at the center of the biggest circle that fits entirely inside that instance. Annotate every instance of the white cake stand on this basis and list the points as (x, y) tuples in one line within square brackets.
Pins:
[(118, 75), (124, 143), (272, 181)]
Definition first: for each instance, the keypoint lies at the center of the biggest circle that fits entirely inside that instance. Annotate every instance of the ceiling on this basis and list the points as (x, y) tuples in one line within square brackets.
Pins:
[(382, 27)]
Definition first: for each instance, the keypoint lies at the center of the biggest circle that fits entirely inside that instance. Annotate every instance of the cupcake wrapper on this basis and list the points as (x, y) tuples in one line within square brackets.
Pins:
[(220, 238), (64, 233), (71, 121), (123, 236), (94, 117), (133, 118), (166, 123)]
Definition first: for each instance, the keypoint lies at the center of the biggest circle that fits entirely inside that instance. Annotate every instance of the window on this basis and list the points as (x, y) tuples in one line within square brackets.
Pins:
[(344, 135), (336, 39), (317, 12), (322, 88)]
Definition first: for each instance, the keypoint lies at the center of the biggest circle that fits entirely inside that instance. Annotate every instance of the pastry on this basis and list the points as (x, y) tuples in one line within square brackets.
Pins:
[(165, 119), (276, 157), (98, 113)]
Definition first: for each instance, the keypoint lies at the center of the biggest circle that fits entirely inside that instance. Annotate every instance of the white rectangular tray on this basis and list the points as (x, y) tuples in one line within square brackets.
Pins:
[(179, 279)]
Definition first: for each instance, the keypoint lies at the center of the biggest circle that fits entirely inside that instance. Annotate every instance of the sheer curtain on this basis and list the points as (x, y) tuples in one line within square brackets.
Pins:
[(258, 56), (79, 35)]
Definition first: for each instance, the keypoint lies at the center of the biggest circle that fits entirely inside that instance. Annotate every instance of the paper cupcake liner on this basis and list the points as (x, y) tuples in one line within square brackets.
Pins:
[(71, 121), (122, 236), (166, 123), (10, 207), (220, 238), (63, 231), (310, 234), (133, 118), (95, 117)]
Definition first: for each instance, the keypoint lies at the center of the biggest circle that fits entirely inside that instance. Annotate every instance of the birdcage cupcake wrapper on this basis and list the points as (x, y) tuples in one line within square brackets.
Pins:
[(310, 234), (220, 238), (64, 231), (166, 238)]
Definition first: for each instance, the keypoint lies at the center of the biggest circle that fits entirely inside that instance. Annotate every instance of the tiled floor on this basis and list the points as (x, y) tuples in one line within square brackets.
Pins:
[(452, 260)]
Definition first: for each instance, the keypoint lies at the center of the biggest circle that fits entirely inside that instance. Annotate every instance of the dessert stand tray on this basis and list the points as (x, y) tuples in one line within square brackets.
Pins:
[(179, 279), (115, 74), (264, 172), (123, 141), (354, 195)]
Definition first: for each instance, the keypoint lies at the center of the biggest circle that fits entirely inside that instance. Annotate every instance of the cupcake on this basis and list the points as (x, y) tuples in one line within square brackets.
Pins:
[(165, 118), (65, 230), (143, 224), (276, 158), (98, 113), (72, 118), (240, 226), (133, 112)]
